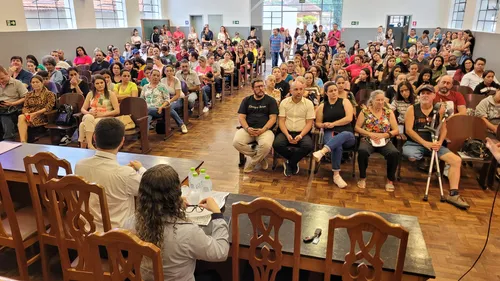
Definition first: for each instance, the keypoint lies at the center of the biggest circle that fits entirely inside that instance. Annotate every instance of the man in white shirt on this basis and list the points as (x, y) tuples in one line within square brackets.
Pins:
[(120, 183), (473, 78), (296, 117)]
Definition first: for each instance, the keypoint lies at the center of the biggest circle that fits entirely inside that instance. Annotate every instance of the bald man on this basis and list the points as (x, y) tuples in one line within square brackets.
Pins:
[(452, 99), (296, 117)]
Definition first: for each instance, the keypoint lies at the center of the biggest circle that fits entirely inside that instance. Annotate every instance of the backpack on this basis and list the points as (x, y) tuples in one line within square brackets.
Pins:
[(64, 115)]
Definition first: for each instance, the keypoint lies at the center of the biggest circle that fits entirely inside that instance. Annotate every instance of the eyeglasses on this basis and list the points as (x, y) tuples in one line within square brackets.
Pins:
[(194, 208)]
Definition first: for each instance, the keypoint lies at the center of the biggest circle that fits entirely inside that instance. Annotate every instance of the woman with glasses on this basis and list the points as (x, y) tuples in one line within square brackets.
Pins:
[(161, 219)]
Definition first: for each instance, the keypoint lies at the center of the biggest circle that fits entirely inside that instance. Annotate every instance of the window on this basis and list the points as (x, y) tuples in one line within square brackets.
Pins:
[(487, 16), (295, 13), (110, 13), (49, 14), (457, 17), (150, 9)]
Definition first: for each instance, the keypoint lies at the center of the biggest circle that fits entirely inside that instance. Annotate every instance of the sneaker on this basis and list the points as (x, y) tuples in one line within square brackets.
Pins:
[(205, 109), (389, 187), (184, 129), (151, 127), (65, 140), (457, 201), (217, 96), (339, 181), (318, 155), (362, 184), (264, 165), (249, 167), (287, 171)]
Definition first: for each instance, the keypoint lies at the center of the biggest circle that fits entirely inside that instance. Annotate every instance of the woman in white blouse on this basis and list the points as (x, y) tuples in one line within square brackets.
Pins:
[(192, 34), (223, 35), (136, 39)]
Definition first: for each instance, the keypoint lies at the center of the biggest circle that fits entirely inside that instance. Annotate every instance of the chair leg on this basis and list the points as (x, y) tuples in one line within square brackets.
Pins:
[(275, 161), (45, 262), (168, 123), (185, 111), (201, 104), (213, 96), (145, 147), (231, 83), (22, 263), (354, 164)]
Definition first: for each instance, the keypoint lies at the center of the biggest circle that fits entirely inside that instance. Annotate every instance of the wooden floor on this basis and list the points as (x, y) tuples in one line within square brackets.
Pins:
[(454, 238)]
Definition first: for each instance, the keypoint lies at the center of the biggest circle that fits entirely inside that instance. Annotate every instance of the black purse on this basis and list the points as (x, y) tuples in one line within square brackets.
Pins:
[(476, 148)]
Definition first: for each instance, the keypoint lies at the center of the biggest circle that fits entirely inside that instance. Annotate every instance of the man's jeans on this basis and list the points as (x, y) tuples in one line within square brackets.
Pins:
[(274, 57)]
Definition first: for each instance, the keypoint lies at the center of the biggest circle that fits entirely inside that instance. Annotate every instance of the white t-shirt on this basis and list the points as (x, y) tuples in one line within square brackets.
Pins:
[(172, 88)]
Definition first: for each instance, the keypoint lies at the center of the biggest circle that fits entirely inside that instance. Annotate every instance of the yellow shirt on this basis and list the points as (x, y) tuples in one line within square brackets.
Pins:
[(296, 114), (127, 92)]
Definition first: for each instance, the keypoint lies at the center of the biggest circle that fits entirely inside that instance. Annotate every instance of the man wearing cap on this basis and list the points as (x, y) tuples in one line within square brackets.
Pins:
[(99, 62), (452, 99), (420, 144), (276, 44), (397, 54)]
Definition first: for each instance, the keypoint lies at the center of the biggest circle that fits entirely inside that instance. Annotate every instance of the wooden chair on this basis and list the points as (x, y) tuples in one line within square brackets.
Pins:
[(465, 90), (168, 123), (362, 96), (185, 105), (231, 81), (472, 100), (116, 242), (47, 166), (492, 92), (76, 101), (69, 199), (18, 230), (268, 265), (380, 229), (138, 111)]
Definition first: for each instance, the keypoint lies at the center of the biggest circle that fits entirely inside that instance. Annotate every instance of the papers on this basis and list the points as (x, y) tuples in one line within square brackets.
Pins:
[(203, 218), (7, 145), (200, 218), (381, 142)]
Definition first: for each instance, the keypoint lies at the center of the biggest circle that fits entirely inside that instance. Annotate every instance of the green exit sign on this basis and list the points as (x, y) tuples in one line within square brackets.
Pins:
[(11, 22), (302, 1), (354, 22), (236, 22)]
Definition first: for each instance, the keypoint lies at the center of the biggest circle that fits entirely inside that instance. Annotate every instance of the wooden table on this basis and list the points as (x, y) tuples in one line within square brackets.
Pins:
[(13, 165), (418, 263)]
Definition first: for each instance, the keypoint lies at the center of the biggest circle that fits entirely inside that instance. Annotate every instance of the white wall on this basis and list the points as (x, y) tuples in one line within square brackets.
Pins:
[(373, 13), (178, 11), (12, 10)]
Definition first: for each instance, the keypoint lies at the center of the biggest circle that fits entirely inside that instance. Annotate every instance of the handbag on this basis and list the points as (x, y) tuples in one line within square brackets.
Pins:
[(476, 149), (127, 121)]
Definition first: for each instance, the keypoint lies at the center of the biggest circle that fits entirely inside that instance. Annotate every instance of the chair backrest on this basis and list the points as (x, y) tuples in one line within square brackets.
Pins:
[(465, 90), (14, 239), (73, 99), (267, 266), (47, 166), (380, 229), (82, 68), (121, 268), (134, 106), (362, 96), (70, 198), (462, 127), (472, 100)]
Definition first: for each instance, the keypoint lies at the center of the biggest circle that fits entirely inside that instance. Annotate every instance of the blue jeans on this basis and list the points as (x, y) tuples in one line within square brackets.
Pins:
[(417, 151), (207, 92), (8, 126), (153, 113), (173, 107), (336, 145), (274, 57)]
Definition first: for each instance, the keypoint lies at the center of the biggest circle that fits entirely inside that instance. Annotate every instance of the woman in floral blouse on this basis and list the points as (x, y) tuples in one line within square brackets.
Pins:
[(99, 104), (156, 95), (377, 125), (36, 103)]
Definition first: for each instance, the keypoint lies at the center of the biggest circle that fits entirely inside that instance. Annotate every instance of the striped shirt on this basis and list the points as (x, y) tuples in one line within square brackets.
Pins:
[(275, 43)]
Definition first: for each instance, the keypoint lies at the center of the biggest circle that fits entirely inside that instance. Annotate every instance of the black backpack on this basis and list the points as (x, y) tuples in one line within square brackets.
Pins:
[(64, 115)]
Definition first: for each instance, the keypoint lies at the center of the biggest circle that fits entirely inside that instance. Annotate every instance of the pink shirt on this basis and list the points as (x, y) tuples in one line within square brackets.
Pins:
[(333, 42), (82, 60), (179, 35), (355, 69), (201, 71)]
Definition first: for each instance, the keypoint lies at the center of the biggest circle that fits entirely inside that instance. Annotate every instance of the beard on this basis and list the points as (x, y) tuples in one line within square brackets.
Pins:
[(444, 90)]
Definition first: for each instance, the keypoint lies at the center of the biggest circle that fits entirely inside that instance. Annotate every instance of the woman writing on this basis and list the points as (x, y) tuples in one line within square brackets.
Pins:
[(334, 116), (174, 89), (36, 103), (98, 104), (377, 125), (74, 84), (81, 57), (126, 88)]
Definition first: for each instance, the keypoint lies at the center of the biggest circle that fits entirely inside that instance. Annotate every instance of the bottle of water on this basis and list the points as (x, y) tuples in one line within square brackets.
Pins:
[(206, 188), (194, 189), (203, 173), (190, 174)]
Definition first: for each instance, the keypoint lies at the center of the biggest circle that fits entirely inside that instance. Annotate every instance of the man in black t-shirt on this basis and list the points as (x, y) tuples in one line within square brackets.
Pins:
[(281, 84), (257, 115)]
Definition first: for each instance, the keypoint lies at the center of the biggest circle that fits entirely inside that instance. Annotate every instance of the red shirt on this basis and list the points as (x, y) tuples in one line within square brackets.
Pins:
[(455, 97), (179, 35), (355, 69)]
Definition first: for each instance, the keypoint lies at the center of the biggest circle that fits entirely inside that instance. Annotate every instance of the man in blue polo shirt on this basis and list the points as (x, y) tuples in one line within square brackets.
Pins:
[(276, 42)]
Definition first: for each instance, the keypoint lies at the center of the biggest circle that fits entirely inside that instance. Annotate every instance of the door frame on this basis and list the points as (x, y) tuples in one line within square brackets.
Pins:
[(196, 15)]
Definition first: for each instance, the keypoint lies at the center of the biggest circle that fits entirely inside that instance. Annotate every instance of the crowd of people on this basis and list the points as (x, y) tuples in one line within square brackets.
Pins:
[(319, 89)]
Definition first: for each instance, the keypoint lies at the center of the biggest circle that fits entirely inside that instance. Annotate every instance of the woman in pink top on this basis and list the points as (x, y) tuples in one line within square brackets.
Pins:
[(81, 57), (355, 68)]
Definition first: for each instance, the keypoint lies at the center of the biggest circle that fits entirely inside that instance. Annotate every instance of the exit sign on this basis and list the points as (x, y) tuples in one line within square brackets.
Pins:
[(354, 22), (302, 1), (236, 22), (11, 22)]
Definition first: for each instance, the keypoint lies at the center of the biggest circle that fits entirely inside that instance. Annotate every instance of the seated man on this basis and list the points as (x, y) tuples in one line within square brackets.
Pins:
[(192, 81), (116, 56), (12, 93), (452, 99), (120, 183), (296, 116), (257, 115), (420, 142), (60, 64), (99, 62), (17, 72)]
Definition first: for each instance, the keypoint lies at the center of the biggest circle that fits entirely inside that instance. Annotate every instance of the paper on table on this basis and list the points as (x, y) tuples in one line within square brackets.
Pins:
[(7, 145), (219, 197), (203, 218)]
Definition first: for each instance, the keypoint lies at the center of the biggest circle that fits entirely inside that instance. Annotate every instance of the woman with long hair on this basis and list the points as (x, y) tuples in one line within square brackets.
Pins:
[(116, 70), (312, 90), (344, 92), (299, 68), (36, 102), (391, 78), (35, 62), (223, 35), (354, 49), (161, 219), (446, 40), (404, 98), (99, 103), (192, 34), (389, 63), (81, 57), (424, 78), (438, 69), (466, 67), (363, 82), (135, 39), (488, 84), (174, 85), (334, 116), (74, 84)]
